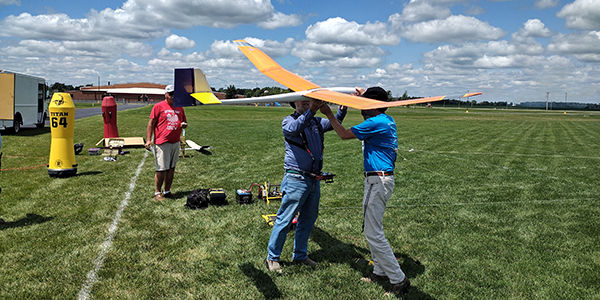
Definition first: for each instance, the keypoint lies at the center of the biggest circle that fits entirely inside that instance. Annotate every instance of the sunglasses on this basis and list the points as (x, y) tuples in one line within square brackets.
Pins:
[(171, 93)]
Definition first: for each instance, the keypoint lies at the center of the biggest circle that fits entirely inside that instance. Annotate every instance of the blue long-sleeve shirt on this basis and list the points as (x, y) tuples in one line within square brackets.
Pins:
[(297, 158)]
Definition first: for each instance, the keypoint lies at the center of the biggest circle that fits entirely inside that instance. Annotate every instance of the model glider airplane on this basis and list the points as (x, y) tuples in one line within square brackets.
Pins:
[(194, 146), (191, 85)]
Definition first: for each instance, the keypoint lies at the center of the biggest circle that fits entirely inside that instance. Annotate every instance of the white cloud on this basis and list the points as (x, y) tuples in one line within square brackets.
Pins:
[(179, 42), (338, 30), (110, 35), (337, 55), (272, 48), (522, 51), (120, 45), (225, 49), (310, 51), (10, 2), (280, 20), (218, 14), (545, 4), (103, 49), (451, 30), (98, 26), (531, 30), (415, 12), (583, 45), (145, 20), (581, 14), (509, 61), (535, 28), (494, 54)]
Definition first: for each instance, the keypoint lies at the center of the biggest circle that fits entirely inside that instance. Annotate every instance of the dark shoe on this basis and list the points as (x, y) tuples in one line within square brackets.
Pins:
[(169, 195), (374, 278), (308, 262), (399, 288), (273, 266)]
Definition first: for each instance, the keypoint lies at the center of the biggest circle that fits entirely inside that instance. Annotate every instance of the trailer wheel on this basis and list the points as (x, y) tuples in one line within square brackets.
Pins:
[(17, 124)]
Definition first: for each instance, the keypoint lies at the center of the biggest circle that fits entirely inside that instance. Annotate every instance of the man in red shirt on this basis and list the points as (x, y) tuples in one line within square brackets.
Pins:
[(165, 123)]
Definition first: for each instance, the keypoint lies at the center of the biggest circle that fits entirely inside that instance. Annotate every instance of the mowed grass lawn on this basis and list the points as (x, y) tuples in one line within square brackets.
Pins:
[(489, 204)]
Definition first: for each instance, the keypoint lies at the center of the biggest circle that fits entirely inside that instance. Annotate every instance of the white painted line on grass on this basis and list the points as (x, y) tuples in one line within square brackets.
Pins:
[(84, 293)]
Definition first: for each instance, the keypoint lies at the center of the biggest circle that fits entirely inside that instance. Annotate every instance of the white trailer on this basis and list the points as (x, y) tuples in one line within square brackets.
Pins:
[(22, 101)]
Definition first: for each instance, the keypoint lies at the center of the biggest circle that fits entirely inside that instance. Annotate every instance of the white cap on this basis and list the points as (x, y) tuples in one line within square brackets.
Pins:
[(169, 88)]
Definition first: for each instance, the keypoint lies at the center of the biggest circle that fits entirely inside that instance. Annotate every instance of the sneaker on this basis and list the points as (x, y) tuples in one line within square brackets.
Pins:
[(168, 195), (399, 288), (273, 266), (374, 278), (159, 197), (309, 262)]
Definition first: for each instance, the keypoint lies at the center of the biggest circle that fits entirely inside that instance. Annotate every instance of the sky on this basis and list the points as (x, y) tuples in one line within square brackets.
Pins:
[(510, 50)]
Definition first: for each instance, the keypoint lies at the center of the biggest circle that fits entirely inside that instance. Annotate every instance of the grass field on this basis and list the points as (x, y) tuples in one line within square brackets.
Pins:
[(490, 204)]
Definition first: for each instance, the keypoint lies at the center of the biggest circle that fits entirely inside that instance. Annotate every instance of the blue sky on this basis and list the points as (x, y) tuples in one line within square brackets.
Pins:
[(511, 50)]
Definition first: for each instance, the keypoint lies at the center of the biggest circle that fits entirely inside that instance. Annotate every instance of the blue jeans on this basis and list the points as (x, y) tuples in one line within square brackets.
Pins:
[(299, 194)]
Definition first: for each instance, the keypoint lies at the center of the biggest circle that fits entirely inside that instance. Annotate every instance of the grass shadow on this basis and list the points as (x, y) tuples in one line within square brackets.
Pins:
[(89, 173), (262, 281), (182, 194), (190, 154), (336, 251), (28, 131), (30, 219), (205, 152)]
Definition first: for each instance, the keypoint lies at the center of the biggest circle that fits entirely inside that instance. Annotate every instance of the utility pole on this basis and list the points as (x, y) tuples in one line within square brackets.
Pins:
[(547, 95), (469, 99), (98, 88)]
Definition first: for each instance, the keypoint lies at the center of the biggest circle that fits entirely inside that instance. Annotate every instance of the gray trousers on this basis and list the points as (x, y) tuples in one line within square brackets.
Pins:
[(378, 190)]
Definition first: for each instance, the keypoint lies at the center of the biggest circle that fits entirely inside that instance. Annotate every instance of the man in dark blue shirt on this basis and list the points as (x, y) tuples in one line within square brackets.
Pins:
[(300, 189)]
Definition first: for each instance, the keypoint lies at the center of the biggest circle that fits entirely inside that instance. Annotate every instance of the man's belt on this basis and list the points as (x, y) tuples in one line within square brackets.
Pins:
[(300, 173), (327, 177), (379, 173)]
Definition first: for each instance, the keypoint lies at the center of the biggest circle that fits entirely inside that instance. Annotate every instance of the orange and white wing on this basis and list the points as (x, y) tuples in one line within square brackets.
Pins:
[(269, 67)]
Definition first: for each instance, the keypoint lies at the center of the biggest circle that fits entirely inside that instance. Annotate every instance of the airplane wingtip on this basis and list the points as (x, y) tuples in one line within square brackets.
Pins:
[(471, 94)]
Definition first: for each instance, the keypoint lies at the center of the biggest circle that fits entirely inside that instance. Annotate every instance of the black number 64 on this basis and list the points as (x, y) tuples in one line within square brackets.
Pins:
[(61, 121)]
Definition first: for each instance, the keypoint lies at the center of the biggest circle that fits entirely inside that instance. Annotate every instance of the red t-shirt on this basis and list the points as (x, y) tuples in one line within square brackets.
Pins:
[(168, 122)]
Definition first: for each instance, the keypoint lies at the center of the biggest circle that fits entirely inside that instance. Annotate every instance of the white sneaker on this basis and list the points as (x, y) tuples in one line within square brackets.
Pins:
[(273, 266)]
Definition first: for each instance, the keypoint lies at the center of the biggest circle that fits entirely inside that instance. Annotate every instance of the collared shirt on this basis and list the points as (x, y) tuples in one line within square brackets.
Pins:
[(380, 142), (297, 158)]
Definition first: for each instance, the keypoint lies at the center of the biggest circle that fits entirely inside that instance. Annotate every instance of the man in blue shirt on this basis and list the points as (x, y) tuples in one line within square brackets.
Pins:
[(380, 144), (300, 189)]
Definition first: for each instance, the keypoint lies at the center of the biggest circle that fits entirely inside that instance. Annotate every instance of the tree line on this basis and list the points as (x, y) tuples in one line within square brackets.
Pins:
[(232, 92), (59, 87)]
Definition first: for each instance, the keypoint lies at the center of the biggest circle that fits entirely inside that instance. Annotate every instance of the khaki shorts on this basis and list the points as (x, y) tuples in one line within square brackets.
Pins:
[(165, 156)]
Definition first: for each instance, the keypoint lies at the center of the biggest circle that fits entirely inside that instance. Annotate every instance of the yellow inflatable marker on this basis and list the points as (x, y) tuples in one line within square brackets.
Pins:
[(62, 126)]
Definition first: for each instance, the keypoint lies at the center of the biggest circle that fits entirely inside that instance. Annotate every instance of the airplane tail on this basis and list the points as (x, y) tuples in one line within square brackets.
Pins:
[(191, 85)]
